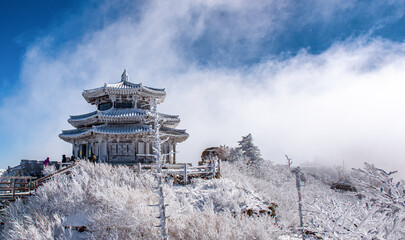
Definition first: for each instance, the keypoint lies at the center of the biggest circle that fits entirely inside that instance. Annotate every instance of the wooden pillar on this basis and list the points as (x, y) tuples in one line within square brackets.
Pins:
[(76, 150), (133, 146), (95, 148), (185, 174), (174, 154), (147, 148), (170, 153), (141, 147), (165, 151), (105, 149), (91, 148)]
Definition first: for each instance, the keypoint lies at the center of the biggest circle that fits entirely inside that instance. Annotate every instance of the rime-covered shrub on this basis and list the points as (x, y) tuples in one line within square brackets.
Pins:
[(111, 201), (117, 203), (375, 211), (48, 169)]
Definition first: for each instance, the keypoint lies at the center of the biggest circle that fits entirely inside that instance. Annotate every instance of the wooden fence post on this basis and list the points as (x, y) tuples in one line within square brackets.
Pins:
[(214, 167), (29, 186), (185, 174), (13, 187)]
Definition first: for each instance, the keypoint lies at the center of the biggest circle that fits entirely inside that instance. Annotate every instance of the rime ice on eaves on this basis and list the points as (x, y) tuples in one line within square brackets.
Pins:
[(121, 129)]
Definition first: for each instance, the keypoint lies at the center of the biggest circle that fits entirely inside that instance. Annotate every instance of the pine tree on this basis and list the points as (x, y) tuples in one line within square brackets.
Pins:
[(250, 151)]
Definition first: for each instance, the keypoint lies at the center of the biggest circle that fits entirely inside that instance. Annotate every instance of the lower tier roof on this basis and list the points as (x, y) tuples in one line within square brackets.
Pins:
[(129, 130)]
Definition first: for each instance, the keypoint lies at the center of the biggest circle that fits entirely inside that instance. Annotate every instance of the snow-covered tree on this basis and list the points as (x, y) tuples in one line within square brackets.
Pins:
[(230, 154), (250, 152), (48, 169)]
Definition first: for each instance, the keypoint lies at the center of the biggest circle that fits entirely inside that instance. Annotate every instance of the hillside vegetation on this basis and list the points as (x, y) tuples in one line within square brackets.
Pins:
[(256, 201)]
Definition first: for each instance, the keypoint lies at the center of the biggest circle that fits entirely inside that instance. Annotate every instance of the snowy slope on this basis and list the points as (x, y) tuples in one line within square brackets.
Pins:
[(115, 203)]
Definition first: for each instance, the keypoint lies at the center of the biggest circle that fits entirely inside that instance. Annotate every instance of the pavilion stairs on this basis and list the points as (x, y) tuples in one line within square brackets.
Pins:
[(12, 188)]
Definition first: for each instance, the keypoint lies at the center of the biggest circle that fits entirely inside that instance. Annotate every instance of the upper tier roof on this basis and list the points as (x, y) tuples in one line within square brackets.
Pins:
[(114, 115), (124, 87)]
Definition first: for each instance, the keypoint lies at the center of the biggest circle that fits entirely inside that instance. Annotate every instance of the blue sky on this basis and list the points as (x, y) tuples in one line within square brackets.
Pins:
[(22, 22), (230, 68)]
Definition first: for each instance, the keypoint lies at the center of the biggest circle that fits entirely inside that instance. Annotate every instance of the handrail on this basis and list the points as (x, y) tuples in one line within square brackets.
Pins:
[(13, 188), (21, 177), (40, 180)]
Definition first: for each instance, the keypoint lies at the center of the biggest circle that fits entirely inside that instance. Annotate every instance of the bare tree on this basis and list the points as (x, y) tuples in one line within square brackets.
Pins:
[(289, 161), (297, 172), (159, 174)]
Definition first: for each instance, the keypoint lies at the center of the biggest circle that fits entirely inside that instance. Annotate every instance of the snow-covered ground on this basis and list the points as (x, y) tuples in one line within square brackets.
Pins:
[(116, 203)]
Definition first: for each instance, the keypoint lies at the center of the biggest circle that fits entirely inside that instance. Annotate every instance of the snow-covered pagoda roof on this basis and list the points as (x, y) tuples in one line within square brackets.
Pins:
[(124, 87), (114, 115), (126, 129)]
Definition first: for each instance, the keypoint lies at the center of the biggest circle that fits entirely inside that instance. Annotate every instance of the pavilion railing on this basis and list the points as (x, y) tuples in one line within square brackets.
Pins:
[(184, 171)]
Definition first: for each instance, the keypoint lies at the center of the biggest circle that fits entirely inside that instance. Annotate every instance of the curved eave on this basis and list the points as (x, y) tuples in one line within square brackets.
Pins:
[(168, 116), (108, 116), (82, 116), (122, 88), (116, 130), (179, 135), (69, 135), (76, 134), (170, 124), (170, 121)]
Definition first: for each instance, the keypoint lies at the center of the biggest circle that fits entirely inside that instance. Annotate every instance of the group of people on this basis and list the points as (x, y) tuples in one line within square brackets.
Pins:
[(93, 159), (71, 159)]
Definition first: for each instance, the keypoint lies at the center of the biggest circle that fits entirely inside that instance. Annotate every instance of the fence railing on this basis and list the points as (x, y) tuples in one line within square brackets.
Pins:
[(21, 186), (184, 170), (12, 187)]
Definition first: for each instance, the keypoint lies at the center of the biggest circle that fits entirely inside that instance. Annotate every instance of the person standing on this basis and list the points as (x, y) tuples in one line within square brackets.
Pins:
[(46, 162), (93, 158)]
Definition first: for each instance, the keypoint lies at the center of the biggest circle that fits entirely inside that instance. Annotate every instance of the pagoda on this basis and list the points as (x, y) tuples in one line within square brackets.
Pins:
[(121, 129)]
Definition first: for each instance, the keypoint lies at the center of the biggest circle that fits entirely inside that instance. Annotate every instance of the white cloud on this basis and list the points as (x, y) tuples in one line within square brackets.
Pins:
[(345, 104), (311, 107)]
